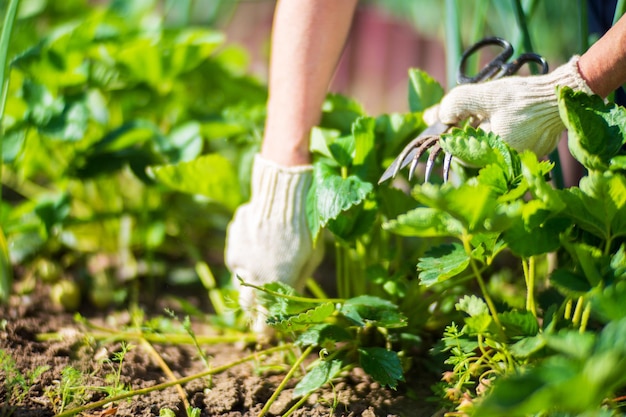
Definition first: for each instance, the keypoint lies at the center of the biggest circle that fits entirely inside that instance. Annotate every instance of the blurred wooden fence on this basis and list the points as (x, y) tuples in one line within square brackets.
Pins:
[(375, 63)]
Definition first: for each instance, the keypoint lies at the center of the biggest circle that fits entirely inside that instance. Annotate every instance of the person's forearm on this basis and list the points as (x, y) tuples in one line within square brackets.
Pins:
[(307, 40), (603, 66)]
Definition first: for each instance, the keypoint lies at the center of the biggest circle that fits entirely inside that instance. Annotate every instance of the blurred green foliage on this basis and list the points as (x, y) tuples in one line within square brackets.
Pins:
[(98, 94)]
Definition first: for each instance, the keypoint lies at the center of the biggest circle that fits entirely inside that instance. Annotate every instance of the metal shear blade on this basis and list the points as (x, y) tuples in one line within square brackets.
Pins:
[(414, 150)]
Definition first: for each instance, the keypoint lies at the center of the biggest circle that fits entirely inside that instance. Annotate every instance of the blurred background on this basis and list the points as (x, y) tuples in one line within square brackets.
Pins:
[(390, 36)]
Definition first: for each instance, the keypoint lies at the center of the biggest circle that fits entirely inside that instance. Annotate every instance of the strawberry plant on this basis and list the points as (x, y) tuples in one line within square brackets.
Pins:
[(501, 228)]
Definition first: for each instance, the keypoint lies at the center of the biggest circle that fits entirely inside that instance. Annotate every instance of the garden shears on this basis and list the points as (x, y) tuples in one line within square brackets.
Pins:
[(428, 139)]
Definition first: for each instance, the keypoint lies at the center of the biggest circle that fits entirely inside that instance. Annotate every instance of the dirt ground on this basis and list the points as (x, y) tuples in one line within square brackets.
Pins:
[(237, 392)]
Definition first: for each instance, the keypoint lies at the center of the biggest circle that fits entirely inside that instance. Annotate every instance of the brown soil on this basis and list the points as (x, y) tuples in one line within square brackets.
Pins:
[(239, 391)]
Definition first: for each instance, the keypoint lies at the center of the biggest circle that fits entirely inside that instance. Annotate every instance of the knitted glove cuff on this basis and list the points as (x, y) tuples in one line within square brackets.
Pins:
[(278, 190), (568, 75)]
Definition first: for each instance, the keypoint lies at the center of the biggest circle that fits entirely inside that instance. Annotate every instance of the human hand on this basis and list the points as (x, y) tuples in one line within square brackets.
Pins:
[(522, 110), (268, 239)]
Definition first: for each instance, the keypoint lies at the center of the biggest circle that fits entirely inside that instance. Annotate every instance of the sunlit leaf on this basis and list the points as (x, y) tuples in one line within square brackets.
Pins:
[(597, 130), (210, 175), (472, 305), (599, 205), (442, 263), (425, 222), (368, 310), (303, 320), (331, 195), (424, 90)]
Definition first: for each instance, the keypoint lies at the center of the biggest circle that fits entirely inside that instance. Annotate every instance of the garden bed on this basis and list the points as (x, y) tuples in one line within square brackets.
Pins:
[(240, 390)]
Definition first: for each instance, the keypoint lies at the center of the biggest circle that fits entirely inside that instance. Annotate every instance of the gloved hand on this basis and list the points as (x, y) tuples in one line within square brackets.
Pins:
[(268, 239), (523, 110)]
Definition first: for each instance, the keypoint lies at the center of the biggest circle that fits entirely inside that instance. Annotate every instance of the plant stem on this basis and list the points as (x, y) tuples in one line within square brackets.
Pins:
[(168, 372), (297, 404), (208, 281), (295, 298), (453, 41), (6, 275), (315, 288), (180, 381), (481, 284), (529, 275), (285, 380), (116, 335)]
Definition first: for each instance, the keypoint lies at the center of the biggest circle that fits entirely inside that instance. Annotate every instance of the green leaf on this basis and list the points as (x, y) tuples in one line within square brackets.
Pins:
[(519, 323), (183, 143), (569, 282), (478, 148), (190, 47), (6, 270), (599, 205), (609, 303), (613, 338), (425, 222), (53, 210), (472, 305), (571, 343), (330, 195), (42, 105), (364, 163), (529, 241), (424, 91), (129, 134), (210, 175), (527, 346), (369, 310), (70, 125), (320, 138), (473, 204), (354, 222), (395, 130), (339, 112), (342, 150), (302, 320), (597, 130), (320, 334), (442, 263), (381, 364), (321, 374)]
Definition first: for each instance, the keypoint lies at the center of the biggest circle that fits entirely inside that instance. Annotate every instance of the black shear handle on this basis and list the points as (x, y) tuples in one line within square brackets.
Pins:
[(499, 66)]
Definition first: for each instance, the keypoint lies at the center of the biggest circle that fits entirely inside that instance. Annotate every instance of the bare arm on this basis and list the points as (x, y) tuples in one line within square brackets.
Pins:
[(603, 66), (307, 40)]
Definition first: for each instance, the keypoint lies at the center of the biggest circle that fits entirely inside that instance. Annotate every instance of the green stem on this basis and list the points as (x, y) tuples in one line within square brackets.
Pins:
[(529, 275), (114, 336), (285, 380), (6, 274), (481, 284), (173, 383), (295, 298), (297, 404), (454, 46)]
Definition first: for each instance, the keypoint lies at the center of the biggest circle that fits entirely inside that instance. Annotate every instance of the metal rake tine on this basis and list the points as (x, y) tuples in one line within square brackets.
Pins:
[(447, 158), (426, 143), (434, 152), (405, 152)]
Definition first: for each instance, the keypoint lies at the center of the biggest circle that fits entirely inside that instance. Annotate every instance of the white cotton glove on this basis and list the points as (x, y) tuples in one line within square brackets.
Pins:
[(522, 110), (268, 239)]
